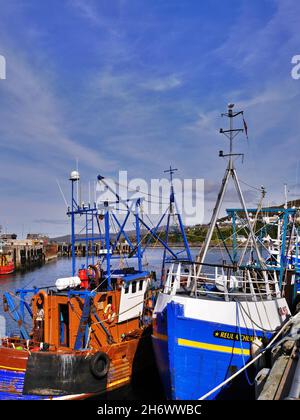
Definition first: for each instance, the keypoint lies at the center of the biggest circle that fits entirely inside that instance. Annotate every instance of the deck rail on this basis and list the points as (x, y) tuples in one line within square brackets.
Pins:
[(247, 283)]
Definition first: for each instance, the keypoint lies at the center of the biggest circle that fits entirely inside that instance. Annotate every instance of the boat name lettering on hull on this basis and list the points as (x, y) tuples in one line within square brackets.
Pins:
[(227, 335)]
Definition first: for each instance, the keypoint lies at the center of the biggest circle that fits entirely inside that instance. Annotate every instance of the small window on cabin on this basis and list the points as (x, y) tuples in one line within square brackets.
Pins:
[(109, 300), (63, 312), (141, 285), (126, 288), (133, 287)]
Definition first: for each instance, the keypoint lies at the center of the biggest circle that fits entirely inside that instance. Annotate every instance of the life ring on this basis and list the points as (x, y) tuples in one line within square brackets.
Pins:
[(99, 365), (40, 300), (110, 314)]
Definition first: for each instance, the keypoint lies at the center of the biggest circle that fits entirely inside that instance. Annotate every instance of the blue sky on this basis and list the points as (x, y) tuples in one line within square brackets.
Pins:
[(136, 85)]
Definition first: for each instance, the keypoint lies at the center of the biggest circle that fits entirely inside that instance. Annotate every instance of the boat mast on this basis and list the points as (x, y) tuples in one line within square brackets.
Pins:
[(74, 177), (170, 171), (171, 213), (230, 172), (136, 212)]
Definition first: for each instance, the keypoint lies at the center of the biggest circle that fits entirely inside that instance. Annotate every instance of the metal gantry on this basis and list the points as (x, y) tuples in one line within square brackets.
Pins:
[(287, 240), (106, 210), (92, 215)]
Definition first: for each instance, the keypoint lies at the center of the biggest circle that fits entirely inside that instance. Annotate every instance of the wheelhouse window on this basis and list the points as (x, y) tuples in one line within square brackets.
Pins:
[(64, 336), (133, 287), (141, 285)]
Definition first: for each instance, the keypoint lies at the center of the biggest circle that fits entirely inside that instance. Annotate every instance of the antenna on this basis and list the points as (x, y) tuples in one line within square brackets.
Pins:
[(231, 133), (78, 187), (62, 193), (74, 178), (171, 171), (95, 192), (285, 197)]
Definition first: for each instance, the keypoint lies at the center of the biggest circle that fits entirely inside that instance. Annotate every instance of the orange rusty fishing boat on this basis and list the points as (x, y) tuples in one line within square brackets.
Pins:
[(89, 333)]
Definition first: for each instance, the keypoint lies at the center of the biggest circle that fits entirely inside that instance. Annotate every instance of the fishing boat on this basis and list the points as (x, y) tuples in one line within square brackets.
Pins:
[(211, 319), (277, 235), (7, 266), (89, 333), (279, 253)]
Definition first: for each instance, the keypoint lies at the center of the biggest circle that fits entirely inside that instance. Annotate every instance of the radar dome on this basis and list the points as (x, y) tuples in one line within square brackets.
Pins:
[(74, 176)]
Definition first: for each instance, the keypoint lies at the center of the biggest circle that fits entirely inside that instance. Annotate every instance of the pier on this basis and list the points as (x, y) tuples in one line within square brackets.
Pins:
[(282, 380), (82, 249), (34, 251)]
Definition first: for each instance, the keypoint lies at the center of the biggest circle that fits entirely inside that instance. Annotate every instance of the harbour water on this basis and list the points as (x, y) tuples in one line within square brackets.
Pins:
[(46, 276)]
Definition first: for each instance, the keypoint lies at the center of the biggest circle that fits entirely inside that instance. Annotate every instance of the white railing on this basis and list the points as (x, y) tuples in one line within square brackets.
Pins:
[(226, 285)]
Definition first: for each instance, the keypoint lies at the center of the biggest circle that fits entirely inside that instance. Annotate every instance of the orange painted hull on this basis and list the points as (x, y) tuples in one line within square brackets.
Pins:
[(28, 373), (13, 367)]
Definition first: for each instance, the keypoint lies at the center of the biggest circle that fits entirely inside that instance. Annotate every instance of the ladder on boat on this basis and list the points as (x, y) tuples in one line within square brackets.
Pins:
[(83, 324)]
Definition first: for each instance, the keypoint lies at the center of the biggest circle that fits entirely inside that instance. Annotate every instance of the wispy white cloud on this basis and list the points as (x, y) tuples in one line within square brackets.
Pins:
[(91, 11), (255, 43), (205, 123), (162, 84), (87, 9), (35, 118), (144, 98)]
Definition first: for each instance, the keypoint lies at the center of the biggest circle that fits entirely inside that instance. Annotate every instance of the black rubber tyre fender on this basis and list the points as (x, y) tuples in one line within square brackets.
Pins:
[(99, 365)]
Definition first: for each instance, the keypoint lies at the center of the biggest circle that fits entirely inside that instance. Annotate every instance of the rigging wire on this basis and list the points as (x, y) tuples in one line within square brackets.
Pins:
[(251, 383), (203, 397), (140, 191), (250, 186)]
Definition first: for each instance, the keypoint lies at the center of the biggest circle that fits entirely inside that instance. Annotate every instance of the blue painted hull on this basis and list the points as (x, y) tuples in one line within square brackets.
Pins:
[(11, 386), (194, 356)]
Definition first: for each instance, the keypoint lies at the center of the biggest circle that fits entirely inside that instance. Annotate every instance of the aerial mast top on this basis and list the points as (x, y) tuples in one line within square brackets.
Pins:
[(171, 172), (231, 133), (230, 173)]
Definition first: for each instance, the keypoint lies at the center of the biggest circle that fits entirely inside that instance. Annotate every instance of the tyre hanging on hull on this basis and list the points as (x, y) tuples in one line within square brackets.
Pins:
[(99, 365)]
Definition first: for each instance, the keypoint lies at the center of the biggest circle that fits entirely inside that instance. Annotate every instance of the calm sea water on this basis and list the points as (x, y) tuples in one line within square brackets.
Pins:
[(46, 276)]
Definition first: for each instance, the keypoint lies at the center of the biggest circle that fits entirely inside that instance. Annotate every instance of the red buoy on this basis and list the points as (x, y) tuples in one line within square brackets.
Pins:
[(83, 275)]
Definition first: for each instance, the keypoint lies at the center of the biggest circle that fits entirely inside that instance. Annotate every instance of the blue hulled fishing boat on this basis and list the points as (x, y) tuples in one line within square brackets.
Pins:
[(211, 319)]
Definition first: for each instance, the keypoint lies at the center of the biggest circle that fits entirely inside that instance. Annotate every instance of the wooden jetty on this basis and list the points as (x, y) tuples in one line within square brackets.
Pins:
[(282, 380)]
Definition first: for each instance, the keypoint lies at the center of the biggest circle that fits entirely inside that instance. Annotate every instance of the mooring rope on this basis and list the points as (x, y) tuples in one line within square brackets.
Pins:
[(242, 347), (249, 363)]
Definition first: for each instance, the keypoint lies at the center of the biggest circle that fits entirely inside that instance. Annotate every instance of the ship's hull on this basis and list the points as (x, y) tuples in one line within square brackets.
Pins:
[(51, 252), (12, 384), (18, 372), (200, 343), (7, 269)]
